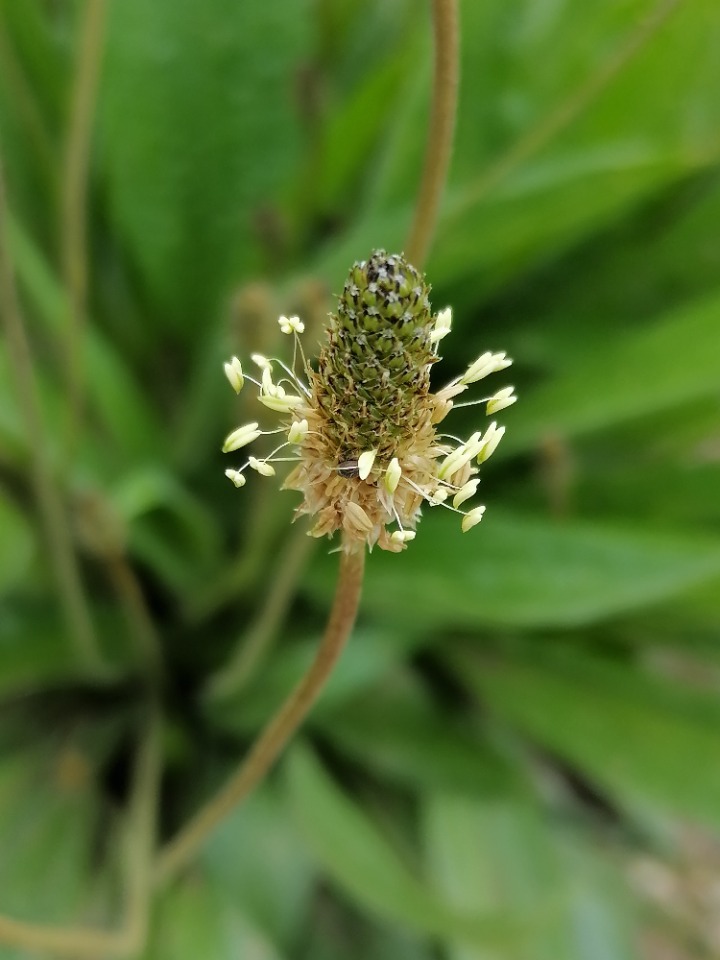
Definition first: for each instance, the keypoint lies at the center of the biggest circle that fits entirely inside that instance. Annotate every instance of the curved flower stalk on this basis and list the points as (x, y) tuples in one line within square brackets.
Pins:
[(362, 429)]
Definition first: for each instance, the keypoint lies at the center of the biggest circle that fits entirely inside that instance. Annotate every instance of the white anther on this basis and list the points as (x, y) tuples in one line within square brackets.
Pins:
[(392, 475), (472, 518), (262, 467), (234, 373), (241, 437), (298, 431), (236, 477), (465, 492), (365, 463), (500, 400)]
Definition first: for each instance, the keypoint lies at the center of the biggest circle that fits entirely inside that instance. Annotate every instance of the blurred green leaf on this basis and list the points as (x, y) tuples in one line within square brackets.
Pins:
[(195, 919), (627, 740), (505, 855), (256, 859), (48, 811), (398, 732), (517, 571), (552, 157), (353, 851), (17, 544), (170, 528), (123, 407), (199, 131), (33, 652), (676, 361)]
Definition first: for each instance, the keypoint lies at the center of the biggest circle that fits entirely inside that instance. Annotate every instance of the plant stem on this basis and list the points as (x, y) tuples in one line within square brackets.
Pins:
[(85, 942), (281, 727), (52, 513), (562, 115), (440, 133), (74, 203)]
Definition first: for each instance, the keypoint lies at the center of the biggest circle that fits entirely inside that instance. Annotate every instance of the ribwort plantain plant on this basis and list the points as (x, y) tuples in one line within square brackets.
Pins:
[(362, 428)]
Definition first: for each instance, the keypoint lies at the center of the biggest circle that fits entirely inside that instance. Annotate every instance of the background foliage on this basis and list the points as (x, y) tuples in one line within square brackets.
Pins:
[(518, 757)]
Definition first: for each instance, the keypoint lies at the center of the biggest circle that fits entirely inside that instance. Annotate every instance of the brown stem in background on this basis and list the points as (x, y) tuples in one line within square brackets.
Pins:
[(53, 517), (440, 133), (279, 730), (74, 205), (564, 114)]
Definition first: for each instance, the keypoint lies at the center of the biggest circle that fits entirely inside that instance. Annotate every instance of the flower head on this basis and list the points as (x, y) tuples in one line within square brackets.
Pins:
[(363, 426)]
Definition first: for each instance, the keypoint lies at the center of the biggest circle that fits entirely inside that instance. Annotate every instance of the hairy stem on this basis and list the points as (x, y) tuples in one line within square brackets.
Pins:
[(74, 203), (440, 133), (52, 513), (281, 727)]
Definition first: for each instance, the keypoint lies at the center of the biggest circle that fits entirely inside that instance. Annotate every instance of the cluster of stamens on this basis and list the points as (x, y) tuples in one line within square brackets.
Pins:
[(362, 428)]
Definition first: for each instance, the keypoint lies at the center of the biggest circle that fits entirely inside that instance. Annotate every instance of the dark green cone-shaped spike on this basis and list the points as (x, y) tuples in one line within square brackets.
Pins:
[(374, 371)]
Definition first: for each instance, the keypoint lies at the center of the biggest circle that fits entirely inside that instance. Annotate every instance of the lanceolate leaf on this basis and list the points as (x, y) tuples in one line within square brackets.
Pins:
[(675, 361), (355, 854), (636, 746), (516, 571)]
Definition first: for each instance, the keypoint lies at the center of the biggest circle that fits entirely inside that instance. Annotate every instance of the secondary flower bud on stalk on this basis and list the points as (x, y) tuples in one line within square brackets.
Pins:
[(363, 425)]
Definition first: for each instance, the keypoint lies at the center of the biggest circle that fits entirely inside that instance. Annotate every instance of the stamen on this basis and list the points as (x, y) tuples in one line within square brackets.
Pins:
[(291, 325), (493, 436), (261, 361), (402, 536), (500, 400), (472, 518), (442, 325), (392, 475), (261, 466), (465, 492), (298, 431), (234, 373), (236, 477), (241, 437), (365, 463)]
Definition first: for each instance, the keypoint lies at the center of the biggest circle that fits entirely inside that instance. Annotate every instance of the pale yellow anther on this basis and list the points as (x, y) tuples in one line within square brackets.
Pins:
[(298, 431), (438, 496), (442, 326), (234, 373), (267, 381), (241, 437), (402, 536), (500, 400), (365, 463), (459, 457), (236, 477), (493, 436), (291, 325), (280, 404), (261, 361), (472, 518), (465, 492), (262, 467), (392, 475), (485, 364)]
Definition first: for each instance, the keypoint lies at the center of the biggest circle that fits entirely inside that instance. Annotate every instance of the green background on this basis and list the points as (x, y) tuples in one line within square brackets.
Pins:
[(519, 757)]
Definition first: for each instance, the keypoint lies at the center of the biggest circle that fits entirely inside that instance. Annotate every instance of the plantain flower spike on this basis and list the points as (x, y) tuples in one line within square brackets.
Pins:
[(362, 428)]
